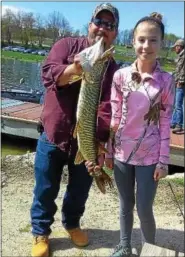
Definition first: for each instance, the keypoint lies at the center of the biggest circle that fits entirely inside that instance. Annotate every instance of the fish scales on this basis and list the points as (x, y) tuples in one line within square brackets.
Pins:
[(87, 115), (85, 131)]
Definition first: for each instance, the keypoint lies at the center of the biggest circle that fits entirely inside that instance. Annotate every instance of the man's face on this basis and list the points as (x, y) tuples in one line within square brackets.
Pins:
[(100, 29), (178, 49)]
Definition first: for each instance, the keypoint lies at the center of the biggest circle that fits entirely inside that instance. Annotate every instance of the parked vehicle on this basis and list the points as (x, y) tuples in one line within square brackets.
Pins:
[(18, 49), (123, 64), (42, 52), (126, 64), (34, 52), (47, 52), (8, 48), (120, 63), (28, 51)]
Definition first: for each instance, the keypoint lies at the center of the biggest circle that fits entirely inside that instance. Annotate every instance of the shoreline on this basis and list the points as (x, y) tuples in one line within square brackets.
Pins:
[(39, 59)]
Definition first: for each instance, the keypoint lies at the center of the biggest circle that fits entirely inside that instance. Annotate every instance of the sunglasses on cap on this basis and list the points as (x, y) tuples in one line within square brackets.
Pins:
[(107, 24)]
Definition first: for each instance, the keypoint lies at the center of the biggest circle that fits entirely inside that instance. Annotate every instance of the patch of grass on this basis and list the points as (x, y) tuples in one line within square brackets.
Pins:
[(25, 229), (174, 181), (22, 56), (163, 52), (178, 181), (123, 58), (165, 197), (119, 55), (168, 67)]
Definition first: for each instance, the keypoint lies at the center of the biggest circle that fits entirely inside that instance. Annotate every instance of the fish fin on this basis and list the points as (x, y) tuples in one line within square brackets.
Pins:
[(79, 158), (102, 149), (75, 130)]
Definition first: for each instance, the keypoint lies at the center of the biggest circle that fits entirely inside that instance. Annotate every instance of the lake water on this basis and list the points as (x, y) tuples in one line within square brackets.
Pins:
[(16, 146), (11, 73), (13, 70)]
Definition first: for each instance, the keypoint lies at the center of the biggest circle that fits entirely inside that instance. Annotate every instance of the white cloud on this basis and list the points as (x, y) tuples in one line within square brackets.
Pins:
[(14, 9)]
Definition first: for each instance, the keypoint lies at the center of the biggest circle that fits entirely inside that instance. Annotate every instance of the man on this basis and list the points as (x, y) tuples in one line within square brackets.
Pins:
[(56, 146), (177, 122)]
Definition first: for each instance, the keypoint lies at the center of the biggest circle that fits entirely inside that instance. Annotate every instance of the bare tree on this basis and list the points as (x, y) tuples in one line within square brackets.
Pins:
[(18, 31), (57, 26), (65, 28), (40, 31), (130, 36), (27, 28), (118, 40), (28, 22), (8, 25), (76, 33), (85, 29)]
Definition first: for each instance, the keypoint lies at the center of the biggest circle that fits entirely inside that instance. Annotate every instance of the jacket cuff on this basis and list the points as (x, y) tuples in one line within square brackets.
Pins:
[(108, 155), (162, 166)]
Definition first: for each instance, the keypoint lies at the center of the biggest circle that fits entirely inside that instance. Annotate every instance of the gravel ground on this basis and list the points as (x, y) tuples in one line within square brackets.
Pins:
[(101, 218)]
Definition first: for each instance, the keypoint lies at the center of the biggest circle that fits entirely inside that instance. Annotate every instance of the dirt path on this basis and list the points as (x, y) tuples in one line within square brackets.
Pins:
[(101, 217)]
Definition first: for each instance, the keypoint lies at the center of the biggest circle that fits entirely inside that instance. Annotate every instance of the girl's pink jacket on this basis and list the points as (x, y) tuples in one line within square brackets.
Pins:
[(141, 113)]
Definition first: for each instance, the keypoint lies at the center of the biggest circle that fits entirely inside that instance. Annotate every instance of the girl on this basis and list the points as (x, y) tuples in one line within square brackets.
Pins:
[(142, 99)]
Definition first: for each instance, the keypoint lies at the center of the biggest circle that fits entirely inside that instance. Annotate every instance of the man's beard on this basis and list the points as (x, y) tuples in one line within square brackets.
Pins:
[(95, 38)]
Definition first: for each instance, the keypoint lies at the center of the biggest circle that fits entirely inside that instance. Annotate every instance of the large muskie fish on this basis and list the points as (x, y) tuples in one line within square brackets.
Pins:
[(94, 63)]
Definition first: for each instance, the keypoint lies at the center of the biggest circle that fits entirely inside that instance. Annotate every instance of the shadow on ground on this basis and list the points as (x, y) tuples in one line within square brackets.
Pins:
[(171, 239)]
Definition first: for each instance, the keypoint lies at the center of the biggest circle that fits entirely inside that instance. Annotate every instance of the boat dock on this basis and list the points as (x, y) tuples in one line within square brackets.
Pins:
[(20, 118), (177, 149)]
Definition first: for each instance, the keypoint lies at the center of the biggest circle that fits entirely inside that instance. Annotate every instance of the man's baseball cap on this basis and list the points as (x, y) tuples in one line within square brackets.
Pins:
[(179, 42), (110, 8)]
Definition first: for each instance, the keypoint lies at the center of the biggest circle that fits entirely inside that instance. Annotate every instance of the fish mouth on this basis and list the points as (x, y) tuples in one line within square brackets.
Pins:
[(93, 54), (103, 48), (102, 45), (104, 52)]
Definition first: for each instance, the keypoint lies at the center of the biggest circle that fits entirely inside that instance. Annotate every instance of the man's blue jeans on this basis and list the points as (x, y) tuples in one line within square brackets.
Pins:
[(178, 117), (49, 163)]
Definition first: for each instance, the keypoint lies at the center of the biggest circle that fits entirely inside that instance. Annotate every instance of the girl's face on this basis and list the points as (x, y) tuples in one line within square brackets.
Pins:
[(147, 41)]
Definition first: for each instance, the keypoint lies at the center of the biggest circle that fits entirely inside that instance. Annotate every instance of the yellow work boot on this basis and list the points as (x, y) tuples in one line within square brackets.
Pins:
[(40, 247), (78, 237)]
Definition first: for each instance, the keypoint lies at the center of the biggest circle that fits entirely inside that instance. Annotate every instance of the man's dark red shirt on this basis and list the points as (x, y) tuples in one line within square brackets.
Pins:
[(59, 109)]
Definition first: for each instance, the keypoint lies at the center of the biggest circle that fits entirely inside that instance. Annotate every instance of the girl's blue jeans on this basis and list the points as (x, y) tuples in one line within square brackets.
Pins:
[(48, 168)]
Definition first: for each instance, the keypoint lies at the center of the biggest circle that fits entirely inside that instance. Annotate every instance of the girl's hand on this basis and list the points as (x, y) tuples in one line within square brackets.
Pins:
[(160, 173), (109, 163), (95, 168)]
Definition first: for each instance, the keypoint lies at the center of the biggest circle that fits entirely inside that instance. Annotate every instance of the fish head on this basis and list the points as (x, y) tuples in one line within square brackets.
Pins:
[(107, 54), (93, 54)]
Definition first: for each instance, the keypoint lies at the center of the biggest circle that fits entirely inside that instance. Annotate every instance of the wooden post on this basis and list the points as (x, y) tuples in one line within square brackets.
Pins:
[(156, 251)]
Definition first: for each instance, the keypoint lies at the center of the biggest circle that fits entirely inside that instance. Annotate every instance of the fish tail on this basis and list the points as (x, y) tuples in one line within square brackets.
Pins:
[(104, 180)]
